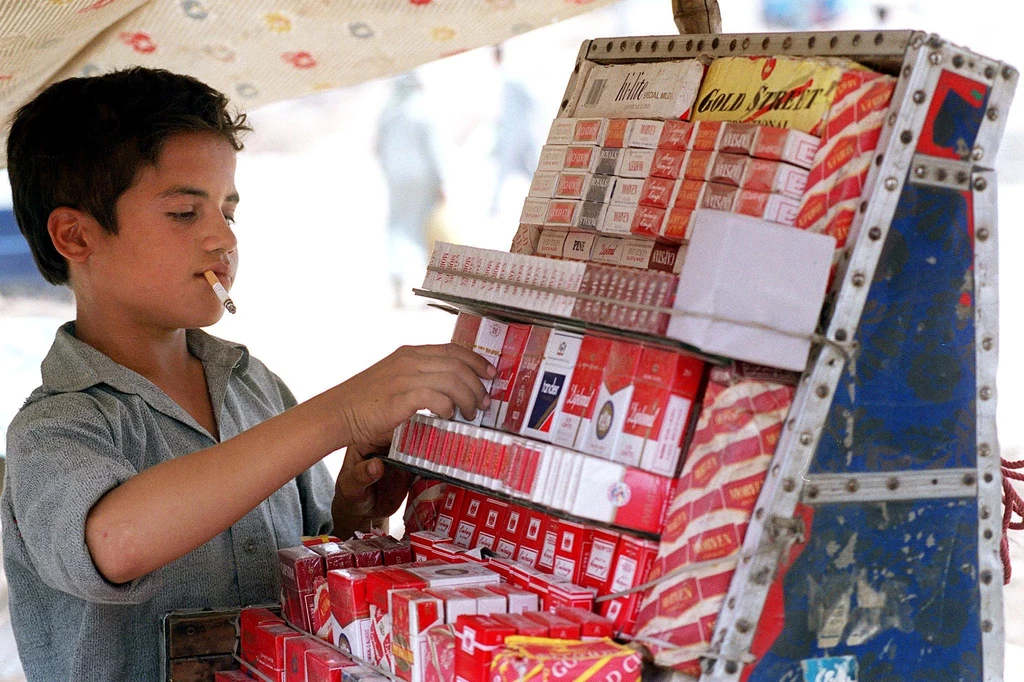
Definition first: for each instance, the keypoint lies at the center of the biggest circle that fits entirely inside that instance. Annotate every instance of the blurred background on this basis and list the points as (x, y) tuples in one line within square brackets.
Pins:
[(328, 258)]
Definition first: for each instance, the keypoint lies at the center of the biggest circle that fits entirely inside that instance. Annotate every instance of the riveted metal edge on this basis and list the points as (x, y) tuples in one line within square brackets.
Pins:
[(797, 445), (986, 326), (578, 78), (890, 486)]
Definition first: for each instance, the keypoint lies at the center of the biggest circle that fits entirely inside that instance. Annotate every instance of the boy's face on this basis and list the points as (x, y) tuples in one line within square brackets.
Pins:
[(174, 223)]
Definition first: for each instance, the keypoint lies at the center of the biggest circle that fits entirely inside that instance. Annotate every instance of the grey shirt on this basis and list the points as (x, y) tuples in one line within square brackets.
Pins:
[(92, 425)]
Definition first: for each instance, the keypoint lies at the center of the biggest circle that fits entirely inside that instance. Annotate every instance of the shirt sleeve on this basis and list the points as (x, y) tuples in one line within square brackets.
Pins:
[(316, 486), (63, 455)]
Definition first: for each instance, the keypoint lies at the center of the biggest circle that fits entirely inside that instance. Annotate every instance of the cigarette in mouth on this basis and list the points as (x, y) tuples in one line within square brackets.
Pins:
[(221, 292)]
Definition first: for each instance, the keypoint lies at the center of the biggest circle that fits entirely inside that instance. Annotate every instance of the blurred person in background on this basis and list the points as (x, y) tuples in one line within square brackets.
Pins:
[(406, 148), (515, 148)]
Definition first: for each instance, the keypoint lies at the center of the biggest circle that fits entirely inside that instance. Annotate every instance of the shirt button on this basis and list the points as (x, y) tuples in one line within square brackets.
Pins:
[(249, 546)]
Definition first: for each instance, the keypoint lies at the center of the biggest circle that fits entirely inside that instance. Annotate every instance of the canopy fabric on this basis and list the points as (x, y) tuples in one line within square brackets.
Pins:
[(255, 51)]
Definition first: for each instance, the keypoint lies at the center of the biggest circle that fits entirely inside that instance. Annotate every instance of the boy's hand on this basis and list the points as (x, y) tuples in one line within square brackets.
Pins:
[(439, 378), (366, 489)]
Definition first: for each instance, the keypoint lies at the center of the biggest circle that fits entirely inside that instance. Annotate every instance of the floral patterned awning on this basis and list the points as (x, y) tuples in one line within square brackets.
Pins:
[(256, 51)]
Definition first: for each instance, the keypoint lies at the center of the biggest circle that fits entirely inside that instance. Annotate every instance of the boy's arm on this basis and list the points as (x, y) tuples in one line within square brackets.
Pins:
[(366, 491), (168, 510)]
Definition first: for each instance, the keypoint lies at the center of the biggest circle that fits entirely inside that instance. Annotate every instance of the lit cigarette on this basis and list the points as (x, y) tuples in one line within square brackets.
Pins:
[(221, 292)]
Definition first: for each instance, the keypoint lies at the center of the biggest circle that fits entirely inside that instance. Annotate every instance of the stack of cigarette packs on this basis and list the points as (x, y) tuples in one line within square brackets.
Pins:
[(621, 401)]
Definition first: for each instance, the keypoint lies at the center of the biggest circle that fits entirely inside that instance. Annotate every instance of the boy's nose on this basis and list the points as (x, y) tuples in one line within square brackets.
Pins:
[(221, 237)]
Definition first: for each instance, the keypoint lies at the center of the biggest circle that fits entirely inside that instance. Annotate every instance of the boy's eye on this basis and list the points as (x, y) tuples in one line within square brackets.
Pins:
[(183, 216), (230, 219)]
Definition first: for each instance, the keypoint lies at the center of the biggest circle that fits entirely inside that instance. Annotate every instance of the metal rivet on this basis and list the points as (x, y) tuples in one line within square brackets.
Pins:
[(969, 479), (958, 61), (863, 207), (893, 483), (978, 153), (821, 391), (700, 45), (892, 118), (812, 492), (986, 626), (654, 46), (986, 342), (761, 577), (984, 449), (984, 513), (1007, 72), (622, 46), (961, 177), (906, 137), (987, 534), (990, 72), (941, 174), (875, 233), (878, 159), (985, 392), (833, 42), (745, 44), (731, 667), (935, 58), (840, 335), (906, 71), (992, 113), (732, 45), (987, 477), (639, 45), (982, 235), (759, 514), (731, 603), (891, 184), (689, 45), (917, 42), (920, 171), (858, 280), (743, 625), (805, 438), (671, 45), (934, 41), (787, 43), (852, 485), (919, 96), (980, 184), (714, 44), (789, 485)]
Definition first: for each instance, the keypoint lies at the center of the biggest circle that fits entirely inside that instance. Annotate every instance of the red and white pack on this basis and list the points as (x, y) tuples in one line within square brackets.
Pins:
[(517, 599), (632, 564), (625, 496), (532, 540), (603, 544), (483, 336), (569, 546), (413, 612), (664, 391), (451, 508), (508, 537), (549, 389), (491, 523), (469, 519), (525, 378), (604, 418), (478, 638), (583, 387)]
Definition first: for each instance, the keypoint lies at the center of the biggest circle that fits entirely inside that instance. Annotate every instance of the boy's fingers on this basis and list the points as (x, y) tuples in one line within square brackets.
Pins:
[(464, 397), (476, 362), (460, 370), (358, 478)]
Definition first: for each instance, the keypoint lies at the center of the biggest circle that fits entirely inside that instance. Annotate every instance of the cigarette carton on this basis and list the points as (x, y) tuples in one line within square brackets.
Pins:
[(627, 191), (763, 175), (561, 131), (552, 158), (578, 246), (774, 208), (635, 163), (618, 220), (600, 188), (590, 131), (478, 639), (592, 626), (543, 184), (586, 378), (633, 562), (413, 612), (456, 603), (615, 132), (676, 135), (569, 551), (624, 496), (659, 192), (549, 391), (270, 640), (636, 253), (558, 627), (589, 216), (525, 378), (597, 567), (526, 627), (518, 600), (604, 418), (669, 163), (664, 90), (581, 158), (392, 551), (664, 391), (483, 336), (780, 144), (644, 133), (350, 609), (487, 602), (248, 620), (607, 250)]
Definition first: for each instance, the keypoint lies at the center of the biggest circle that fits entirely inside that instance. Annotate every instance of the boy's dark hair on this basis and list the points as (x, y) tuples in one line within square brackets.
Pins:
[(81, 142)]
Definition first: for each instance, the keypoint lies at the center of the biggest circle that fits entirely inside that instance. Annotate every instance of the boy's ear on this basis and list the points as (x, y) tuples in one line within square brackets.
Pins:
[(70, 233)]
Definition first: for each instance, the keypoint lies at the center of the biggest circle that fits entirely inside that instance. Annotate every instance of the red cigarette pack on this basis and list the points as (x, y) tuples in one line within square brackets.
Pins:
[(270, 639), (508, 365), (478, 639), (592, 626), (440, 663), (633, 560), (413, 612), (451, 507), (511, 530), (569, 551), (248, 619), (325, 665), (364, 553), (558, 627), (676, 135), (597, 568), (518, 599), (526, 376), (524, 627)]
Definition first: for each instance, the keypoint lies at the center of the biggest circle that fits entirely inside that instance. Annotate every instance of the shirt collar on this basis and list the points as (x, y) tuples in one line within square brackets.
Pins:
[(73, 365)]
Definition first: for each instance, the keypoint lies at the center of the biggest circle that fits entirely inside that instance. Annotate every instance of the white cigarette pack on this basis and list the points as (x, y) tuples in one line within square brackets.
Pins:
[(618, 220), (561, 131), (534, 211), (635, 163), (549, 390), (578, 245), (607, 250), (643, 133), (543, 184), (552, 158), (627, 192)]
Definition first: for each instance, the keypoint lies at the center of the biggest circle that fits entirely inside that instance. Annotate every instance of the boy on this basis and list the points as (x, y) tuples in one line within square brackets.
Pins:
[(157, 467)]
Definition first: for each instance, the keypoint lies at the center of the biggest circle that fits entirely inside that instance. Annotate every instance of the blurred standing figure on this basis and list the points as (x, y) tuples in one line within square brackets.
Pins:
[(515, 148), (408, 156)]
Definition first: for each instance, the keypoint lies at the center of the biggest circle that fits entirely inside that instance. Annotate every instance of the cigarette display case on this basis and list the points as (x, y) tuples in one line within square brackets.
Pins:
[(871, 551)]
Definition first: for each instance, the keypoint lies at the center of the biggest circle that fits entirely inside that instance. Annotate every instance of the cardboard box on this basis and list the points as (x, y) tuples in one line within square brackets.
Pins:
[(664, 90), (615, 132), (664, 391), (620, 495), (525, 378), (763, 175), (590, 216), (350, 609), (561, 131), (517, 600)]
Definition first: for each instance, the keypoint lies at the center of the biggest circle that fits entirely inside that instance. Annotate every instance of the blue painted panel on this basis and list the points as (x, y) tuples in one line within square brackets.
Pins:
[(907, 401), (892, 584)]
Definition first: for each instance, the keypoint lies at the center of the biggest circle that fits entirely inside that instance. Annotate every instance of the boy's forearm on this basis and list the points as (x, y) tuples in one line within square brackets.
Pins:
[(168, 510)]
